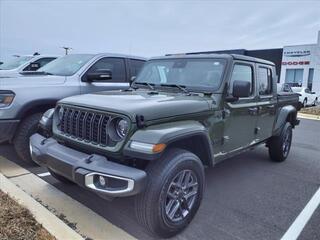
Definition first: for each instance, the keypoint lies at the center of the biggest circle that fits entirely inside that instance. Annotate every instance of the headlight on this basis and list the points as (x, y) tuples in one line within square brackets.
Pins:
[(6, 98), (122, 128), (118, 129)]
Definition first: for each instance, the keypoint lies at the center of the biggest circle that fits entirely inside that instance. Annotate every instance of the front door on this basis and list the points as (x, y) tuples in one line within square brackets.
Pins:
[(240, 120), (119, 76), (267, 91)]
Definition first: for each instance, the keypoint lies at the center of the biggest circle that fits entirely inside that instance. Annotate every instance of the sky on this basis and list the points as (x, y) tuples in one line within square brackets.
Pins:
[(153, 28)]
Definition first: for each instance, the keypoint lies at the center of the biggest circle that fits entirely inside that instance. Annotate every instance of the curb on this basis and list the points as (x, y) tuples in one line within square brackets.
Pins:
[(308, 116), (48, 220)]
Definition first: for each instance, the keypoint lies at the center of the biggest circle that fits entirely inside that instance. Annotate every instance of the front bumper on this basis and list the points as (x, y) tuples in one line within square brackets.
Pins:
[(85, 169), (7, 129)]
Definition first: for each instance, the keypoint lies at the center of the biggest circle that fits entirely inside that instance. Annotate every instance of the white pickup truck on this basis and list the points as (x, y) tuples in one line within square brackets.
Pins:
[(20, 64), (306, 97), (24, 99)]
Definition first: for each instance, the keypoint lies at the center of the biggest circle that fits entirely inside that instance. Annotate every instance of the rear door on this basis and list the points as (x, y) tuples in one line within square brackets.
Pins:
[(119, 75), (240, 121), (266, 102)]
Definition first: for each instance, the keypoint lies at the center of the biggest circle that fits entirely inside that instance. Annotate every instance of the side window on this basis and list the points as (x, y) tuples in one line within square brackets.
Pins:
[(265, 81), (241, 72), (41, 62), (135, 66), (115, 65)]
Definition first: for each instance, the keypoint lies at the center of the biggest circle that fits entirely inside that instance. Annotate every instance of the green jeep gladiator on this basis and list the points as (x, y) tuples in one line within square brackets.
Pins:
[(181, 114)]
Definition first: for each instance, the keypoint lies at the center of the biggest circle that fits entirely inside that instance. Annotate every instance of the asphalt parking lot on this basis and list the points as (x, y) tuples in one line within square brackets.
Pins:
[(247, 197)]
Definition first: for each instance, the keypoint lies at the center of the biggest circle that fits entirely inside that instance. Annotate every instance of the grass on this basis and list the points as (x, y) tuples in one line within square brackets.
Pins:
[(311, 110), (18, 223)]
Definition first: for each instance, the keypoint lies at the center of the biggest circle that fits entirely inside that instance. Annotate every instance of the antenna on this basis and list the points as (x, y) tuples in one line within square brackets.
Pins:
[(67, 49)]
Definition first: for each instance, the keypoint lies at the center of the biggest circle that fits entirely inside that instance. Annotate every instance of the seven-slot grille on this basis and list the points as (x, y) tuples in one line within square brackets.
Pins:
[(85, 125)]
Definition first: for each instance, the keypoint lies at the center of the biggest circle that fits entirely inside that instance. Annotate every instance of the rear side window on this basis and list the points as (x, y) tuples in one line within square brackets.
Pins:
[(115, 65), (241, 72), (135, 66), (265, 81)]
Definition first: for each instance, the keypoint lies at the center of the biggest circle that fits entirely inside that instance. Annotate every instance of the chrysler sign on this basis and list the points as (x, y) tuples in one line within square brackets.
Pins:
[(296, 53)]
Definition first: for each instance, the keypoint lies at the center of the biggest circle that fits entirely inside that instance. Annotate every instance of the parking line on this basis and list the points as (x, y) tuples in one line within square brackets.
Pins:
[(298, 225), (45, 174)]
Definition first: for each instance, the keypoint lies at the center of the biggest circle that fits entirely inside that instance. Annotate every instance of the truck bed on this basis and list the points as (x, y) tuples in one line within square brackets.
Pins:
[(289, 98)]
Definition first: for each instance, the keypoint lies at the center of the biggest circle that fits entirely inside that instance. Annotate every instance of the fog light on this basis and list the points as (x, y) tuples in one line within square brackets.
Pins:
[(102, 181)]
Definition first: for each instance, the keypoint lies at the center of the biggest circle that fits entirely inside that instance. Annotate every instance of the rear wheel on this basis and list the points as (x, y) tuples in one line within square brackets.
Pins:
[(21, 140), (279, 146), (173, 193), (315, 102)]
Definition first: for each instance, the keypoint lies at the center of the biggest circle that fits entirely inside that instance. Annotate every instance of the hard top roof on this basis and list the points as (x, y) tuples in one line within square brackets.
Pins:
[(217, 55)]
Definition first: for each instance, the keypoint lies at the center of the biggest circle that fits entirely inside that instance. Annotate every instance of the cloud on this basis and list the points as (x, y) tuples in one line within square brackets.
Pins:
[(154, 28)]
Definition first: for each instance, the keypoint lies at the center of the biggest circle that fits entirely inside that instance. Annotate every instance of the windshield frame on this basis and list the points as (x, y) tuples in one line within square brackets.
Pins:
[(27, 59), (90, 58), (202, 89)]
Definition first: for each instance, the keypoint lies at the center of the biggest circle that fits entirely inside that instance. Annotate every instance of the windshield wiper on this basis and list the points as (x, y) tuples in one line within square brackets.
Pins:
[(181, 87), (150, 85)]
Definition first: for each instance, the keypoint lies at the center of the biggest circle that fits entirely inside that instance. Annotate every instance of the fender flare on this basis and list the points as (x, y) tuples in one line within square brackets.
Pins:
[(169, 134), (283, 118)]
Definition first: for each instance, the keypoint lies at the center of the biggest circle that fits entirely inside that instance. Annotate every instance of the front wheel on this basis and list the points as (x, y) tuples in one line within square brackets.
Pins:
[(173, 194), (305, 103), (279, 146), (27, 127)]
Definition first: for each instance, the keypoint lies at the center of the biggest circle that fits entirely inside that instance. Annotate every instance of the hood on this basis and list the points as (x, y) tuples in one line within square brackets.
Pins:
[(150, 104), (30, 81), (9, 73)]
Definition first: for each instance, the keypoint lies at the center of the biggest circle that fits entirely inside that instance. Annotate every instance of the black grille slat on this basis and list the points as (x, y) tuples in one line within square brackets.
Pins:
[(85, 125)]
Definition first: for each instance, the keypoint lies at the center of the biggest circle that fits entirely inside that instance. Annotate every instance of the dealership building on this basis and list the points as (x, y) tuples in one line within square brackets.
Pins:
[(301, 66), (297, 65)]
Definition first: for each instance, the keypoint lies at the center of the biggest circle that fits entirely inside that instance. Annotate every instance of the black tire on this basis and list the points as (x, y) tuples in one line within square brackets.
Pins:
[(279, 146), (59, 177), (305, 102), (150, 205), (315, 102), (27, 127)]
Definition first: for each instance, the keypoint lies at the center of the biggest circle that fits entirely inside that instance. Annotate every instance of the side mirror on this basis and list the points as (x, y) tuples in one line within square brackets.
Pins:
[(241, 89), (99, 75), (34, 66), (313, 92)]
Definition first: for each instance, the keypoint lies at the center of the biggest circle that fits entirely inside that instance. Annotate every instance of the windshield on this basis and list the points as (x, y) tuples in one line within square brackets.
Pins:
[(67, 65), (14, 63), (296, 89), (191, 73)]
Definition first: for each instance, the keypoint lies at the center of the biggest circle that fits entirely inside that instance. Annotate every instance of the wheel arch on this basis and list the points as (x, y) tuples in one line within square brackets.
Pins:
[(188, 135), (36, 106), (286, 114)]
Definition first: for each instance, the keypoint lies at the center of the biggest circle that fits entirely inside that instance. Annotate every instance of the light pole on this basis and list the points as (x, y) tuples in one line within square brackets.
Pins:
[(67, 49)]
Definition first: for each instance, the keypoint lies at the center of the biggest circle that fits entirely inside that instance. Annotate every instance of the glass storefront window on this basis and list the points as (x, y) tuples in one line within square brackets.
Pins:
[(294, 77), (310, 78)]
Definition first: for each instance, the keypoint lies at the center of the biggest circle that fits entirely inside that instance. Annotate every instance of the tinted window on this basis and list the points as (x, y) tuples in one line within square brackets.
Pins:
[(135, 66), (115, 65), (41, 61), (265, 81), (241, 72)]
